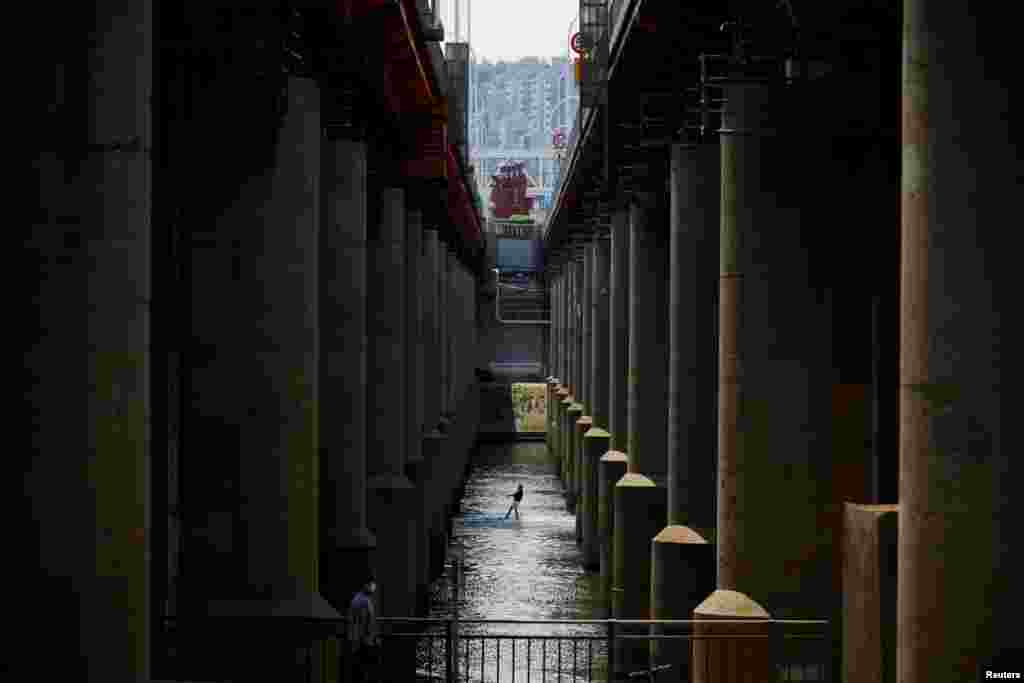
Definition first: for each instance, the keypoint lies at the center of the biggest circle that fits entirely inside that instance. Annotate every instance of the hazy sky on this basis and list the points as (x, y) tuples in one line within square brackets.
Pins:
[(510, 29)]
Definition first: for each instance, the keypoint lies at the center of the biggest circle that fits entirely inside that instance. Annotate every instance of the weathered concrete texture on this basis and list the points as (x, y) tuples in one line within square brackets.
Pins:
[(599, 300), (577, 319), (431, 331), (573, 412), (391, 495), (869, 593), (648, 337), (682, 576), (718, 659), (414, 335), (279, 471), (694, 214), (639, 514), (349, 545), (775, 412), (613, 465), (595, 444), (583, 425), (586, 329), (960, 478), (82, 538), (618, 322), (441, 268)]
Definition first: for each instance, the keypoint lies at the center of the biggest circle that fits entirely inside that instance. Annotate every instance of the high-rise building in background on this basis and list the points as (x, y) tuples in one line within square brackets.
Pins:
[(518, 109)]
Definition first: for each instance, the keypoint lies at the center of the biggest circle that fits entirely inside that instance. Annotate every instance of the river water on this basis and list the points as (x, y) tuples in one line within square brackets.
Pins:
[(525, 569)]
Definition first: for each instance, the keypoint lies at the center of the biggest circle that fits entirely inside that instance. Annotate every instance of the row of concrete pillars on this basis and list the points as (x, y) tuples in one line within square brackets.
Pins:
[(329, 397), (703, 436)]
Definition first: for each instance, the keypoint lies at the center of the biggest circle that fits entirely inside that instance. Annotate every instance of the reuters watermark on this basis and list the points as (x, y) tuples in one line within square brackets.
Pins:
[(992, 675)]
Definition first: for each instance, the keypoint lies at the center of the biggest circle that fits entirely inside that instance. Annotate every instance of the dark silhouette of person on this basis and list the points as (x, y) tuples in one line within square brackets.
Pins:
[(516, 497), (363, 636)]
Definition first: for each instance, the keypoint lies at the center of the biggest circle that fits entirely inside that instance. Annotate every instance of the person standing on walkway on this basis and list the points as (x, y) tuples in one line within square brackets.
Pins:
[(516, 497), (363, 637)]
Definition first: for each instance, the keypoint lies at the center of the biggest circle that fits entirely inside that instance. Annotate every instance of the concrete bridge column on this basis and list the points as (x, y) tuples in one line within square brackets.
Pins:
[(585, 261), (441, 313), (348, 555), (391, 493), (613, 463), (415, 467), (597, 439), (776, 373), (279, 435), (431, 364), (683, 562), (640, 494), (960, 555), (414, 334), (82, 538), (454, 332)]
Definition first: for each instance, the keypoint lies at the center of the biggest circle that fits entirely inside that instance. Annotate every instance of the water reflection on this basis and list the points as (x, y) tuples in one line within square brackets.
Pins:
[(529, 569)]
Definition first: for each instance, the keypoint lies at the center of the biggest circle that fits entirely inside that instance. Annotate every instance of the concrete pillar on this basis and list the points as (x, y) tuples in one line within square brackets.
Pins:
[(597, 439), (639, 509), (599, 356), (618, 333), (577, 318), (586, 330), (682, 576), (414, 334), (415, 467), (441, 268), (640, 494), (348, 555), (718, 658), (776, 372), (279, 436), (648, 338), (82, 538), (431, 361), (694, 194), (583, 425), (595, 445), (682, 561), (869, 593), (960, 555), (454, 332), (614, 463), (573, 413), (391, 493)]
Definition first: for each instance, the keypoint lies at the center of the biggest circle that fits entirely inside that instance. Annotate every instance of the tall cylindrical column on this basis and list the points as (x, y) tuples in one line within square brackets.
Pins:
[(414, 334), (648, 358), (586, 332), (695, 182), (343, 355), (441, 268), (960, 556), (431, 362), (279, 439), (82, 487), (391, 491), (618, 333), (682, 562), (600, 337)]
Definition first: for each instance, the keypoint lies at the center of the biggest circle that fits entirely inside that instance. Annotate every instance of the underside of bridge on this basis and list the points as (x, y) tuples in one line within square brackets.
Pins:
[(768, 299)]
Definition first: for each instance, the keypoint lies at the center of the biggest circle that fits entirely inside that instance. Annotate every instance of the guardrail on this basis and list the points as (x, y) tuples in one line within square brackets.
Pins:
[(495, 651)]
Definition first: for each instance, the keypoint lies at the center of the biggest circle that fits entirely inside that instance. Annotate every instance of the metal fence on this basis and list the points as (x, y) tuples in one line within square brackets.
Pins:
[(503, 651)]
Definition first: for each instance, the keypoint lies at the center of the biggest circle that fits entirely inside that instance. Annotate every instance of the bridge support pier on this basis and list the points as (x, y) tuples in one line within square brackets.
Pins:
[(348, 555), (391, 498)]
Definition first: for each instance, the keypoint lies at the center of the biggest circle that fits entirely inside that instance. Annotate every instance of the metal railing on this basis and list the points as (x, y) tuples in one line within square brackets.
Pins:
[(502, 651)]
